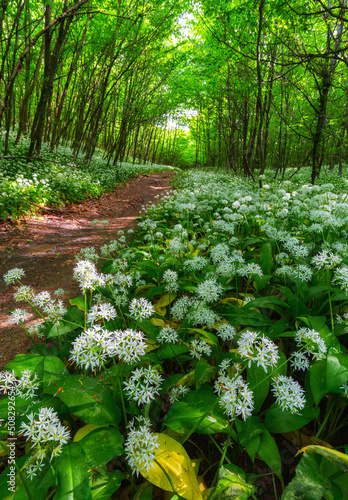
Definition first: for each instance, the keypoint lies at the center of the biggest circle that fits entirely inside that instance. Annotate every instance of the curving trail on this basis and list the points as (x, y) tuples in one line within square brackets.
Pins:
[(45, 246)]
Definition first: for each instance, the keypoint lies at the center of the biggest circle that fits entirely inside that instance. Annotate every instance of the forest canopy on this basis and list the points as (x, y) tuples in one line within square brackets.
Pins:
[(220, 84)]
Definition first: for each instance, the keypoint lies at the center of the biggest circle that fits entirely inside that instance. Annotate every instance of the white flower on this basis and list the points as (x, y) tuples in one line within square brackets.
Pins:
[(170, 278), (24, 292), (299, 361), (209, 291), (198, 348), (168, 334), (18, 316), (226, 331), (143, 385), (141, 445), (311, 342), (235, 396), (91, 348), (177, 393), (141, 309), (13, 275), (289, 394), (258, 349), (101, 311), (47, 434), (128, 345), (326, 260)]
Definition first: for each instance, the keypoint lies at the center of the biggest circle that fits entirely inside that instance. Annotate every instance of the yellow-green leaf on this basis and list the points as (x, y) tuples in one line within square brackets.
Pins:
[(172, 457), (165, 300), (86, 429), (157, 322), (338, 458)]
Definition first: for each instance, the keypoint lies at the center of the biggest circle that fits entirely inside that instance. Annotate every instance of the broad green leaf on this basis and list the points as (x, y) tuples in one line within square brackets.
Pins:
[(79, 302), (173, 458), (54, 369), (336, 370), (86, 429), (170, 351), (183, 415), (266, 259), (231, 485), (89, 400), (102, 445), (255, 374), (31, 362), (317, 379), (72, 474), (308, 484), (103, 485), (338, 458), (278, 421), (203, 373)]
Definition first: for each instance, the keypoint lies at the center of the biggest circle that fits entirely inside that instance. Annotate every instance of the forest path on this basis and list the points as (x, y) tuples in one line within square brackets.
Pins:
[(45, 247)]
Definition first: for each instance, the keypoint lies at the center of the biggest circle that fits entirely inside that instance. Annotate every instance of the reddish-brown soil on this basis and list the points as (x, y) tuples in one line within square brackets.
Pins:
[(45, 247)]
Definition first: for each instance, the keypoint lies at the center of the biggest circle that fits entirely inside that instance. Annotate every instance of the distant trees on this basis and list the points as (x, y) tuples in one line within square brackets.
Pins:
[(88, 72)]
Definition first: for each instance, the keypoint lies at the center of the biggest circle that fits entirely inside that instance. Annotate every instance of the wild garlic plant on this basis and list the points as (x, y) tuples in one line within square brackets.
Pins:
[(222, 321)]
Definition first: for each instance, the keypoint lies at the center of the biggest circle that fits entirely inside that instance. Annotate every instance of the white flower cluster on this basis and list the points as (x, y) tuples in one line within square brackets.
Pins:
[(258, 349), (209, 291), (13, 275), (86, 274), (168, 334), (226, 331), (141, 445), (235, 396), (289, 394), (47, 435), (141, 309), (101, 312), (171, 281), (177, 393), (311, 342), (143, 385), (198, 348)]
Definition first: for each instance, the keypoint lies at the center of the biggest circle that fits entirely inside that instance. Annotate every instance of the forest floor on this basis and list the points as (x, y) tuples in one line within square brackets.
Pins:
[(45, 247)]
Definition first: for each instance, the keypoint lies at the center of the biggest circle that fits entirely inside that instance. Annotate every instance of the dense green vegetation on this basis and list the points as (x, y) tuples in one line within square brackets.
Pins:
[(223, 321), (25, 186), (209, 346)]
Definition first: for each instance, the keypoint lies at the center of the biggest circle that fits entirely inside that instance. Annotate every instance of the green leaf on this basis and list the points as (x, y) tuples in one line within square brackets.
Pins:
[(102, 445), (183, 415), (172, 458), (231, 485), (32, 362), (269, 302), (54, 369), (89, 400), (254, 375), (266, 259), (171, 351), (336, 370), (103, 485), (317, 377), (79, 302), (261, 281), (278, 421), (72, 474), (203, 373), (338, 458)]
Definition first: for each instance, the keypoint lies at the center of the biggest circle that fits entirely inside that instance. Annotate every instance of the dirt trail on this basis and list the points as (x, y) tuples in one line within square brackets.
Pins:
[(45, 247)]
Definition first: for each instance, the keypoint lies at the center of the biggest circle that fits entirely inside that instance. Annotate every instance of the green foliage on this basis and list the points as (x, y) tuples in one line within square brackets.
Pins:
[(178, 338)]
